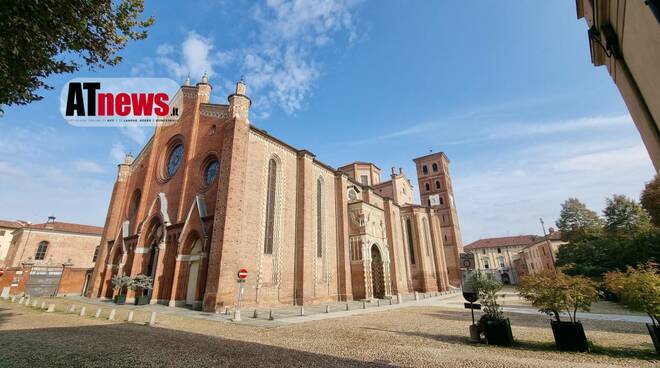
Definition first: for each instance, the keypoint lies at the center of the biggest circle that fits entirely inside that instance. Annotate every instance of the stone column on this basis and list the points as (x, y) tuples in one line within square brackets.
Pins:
[(175, 283), (160, 267)]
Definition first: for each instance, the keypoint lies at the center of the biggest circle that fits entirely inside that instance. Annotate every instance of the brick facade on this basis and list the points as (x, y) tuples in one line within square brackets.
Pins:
[(306, 232)]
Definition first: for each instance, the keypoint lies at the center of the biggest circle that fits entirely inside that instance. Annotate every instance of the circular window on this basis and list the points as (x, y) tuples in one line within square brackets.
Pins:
[(211, 172), (174, 161)]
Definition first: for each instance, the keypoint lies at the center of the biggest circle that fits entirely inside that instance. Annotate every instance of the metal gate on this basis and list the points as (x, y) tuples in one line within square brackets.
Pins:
[(43, 281)]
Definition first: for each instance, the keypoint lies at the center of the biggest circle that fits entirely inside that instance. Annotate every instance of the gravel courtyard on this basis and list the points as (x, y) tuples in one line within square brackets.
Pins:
[(415, 336)]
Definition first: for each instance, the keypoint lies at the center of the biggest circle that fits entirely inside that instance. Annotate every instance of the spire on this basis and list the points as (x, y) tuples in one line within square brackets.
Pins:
[(205, 79), (187, 81)]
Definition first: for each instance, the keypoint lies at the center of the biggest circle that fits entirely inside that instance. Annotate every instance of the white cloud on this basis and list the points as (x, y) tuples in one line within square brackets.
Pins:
[(117, 153), (86, 166), (278, 61), (507, 196), (8, 170)]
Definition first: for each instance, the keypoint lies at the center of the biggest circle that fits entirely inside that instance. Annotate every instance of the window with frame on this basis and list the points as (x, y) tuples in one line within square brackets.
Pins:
[(41, 251), (96, 254), (435, 167), (501, 259), (270, 207), (437, 184), (485, 262), (319, 218), (364, 179), (425, 170), (427, 187)]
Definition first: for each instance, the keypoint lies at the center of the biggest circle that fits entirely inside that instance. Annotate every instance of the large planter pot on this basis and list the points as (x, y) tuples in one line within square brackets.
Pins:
[(142, 300), (499, 332), (654, 331), (120, 299), (569, 336)]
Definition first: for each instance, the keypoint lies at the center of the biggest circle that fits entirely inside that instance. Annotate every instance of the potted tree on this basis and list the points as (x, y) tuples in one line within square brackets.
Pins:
[(142, 283), (639, 290), (492, 323), (118, 284), (554, 292)]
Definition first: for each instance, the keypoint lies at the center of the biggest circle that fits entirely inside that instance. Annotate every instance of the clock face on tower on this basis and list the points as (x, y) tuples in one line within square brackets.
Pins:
[(175, 160)]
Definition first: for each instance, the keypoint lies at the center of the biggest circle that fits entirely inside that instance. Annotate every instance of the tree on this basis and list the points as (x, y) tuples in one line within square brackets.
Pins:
[(553, 292), (45, 37), (487, 287), (625, 216), (577, 221), (638, 289), (650, 200)]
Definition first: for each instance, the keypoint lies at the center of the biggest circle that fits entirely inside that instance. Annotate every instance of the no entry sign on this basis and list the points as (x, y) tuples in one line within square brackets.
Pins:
[(242, 274)]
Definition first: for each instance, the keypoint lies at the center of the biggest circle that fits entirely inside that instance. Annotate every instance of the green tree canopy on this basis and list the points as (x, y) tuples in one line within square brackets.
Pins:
[(625, 216), (576, 220), (650, 200), (45, 37)]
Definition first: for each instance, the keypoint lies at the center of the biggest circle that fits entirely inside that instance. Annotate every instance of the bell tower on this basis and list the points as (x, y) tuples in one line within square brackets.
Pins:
[(435, 191)]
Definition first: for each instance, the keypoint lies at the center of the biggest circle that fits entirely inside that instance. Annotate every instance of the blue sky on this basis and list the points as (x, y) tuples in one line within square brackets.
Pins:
[(505, 89)]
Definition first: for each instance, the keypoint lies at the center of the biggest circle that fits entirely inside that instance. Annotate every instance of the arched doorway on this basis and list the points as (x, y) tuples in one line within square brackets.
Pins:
[(377, 276), (506, 279), (153, 239)]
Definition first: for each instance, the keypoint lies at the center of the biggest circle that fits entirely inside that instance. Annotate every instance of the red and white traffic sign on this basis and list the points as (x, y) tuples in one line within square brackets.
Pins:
[(242, 274)]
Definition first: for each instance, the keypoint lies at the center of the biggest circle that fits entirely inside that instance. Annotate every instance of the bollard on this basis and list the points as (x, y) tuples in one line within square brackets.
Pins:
[(237, 315), (130, 316), (347, 306), (51, 308), (364, 304), (226, 311), (27, 302), (327, 309), (82, 311), (98, 313), (20, 301), (13, 299), (390, 301), (416, 296), (270, 315), (72, 308), (111, 317), (152, 319), (34, 304), (398, 298), (378, 302), (302, 311), (43, 305), (256, 314)]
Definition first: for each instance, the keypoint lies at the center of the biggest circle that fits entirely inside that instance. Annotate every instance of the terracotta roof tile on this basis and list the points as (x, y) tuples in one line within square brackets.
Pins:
[(10, 224), (519, 240), (68, 227)]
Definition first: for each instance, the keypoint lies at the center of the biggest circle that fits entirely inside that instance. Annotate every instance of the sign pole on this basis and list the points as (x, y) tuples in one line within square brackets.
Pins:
[(241, 276)]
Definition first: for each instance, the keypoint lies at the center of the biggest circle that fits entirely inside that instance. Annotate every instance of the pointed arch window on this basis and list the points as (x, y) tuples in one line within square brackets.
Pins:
[(319, 218), (270, 206), (411, 246), (41, 251)]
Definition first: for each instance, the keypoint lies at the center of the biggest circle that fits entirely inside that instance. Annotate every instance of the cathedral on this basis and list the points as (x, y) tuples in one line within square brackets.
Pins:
[(212, 194)]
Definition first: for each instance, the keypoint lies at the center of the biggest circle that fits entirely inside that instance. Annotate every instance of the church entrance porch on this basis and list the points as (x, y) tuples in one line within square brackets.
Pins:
[(377, 273)]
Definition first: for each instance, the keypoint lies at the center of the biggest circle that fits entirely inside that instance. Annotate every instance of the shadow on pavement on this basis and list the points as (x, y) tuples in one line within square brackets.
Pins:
[(131, 345)]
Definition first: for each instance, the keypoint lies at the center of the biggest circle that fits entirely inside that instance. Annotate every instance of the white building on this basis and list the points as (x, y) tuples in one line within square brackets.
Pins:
[(496, 256)]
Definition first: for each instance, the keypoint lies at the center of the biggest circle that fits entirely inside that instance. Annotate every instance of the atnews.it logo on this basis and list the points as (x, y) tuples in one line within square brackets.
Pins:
[(121, 101)]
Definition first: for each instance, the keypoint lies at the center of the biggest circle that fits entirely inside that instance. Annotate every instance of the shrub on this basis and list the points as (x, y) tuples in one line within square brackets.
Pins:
[(553, 292), (638, 289), (142, 282), (487, 289)]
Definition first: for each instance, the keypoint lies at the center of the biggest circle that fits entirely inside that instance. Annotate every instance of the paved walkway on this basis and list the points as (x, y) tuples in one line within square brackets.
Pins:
[(281, 315), (456, 301)]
